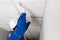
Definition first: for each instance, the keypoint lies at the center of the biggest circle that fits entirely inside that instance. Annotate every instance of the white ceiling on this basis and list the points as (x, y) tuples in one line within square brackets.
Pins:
[(22, 1)]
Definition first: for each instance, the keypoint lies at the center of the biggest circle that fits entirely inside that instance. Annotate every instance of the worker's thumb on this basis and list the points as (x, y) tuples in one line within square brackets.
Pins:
[(27, 24)]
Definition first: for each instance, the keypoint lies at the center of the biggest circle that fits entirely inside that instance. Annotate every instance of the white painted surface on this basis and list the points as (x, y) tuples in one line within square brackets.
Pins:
[(10, 11), (51, 21), (21, 1)]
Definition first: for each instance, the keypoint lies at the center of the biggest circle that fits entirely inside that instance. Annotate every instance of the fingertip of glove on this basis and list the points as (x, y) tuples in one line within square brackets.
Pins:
[(28, 23), (23, 13)]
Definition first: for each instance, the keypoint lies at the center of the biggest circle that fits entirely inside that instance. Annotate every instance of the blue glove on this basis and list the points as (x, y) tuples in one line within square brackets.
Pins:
[(22, 26)]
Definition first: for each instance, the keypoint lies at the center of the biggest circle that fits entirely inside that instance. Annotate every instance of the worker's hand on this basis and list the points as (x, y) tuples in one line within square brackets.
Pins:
[(22, 25)]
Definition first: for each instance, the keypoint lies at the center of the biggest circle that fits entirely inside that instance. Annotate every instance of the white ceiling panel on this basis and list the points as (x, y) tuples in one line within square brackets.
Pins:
[(36, 8), (4, 1), (29, 0), (8, 10)]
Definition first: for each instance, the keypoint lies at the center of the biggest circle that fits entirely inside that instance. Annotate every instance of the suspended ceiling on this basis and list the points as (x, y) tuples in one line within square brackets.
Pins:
[(8, 12)]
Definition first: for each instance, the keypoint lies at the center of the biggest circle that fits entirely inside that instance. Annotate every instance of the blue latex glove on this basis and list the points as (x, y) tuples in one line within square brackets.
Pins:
[(22, 25)]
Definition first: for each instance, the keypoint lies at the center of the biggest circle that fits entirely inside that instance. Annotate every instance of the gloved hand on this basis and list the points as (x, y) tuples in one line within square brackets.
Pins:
[(22, 25)]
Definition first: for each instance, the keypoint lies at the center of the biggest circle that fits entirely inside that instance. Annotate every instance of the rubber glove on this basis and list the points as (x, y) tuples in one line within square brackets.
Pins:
[(22, 26)]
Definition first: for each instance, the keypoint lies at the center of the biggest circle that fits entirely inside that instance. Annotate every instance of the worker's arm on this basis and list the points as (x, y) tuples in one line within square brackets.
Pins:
[(22, 25)]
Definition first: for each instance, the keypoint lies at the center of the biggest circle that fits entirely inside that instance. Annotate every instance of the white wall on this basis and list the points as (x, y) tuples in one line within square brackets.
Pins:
[(51, 21)]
